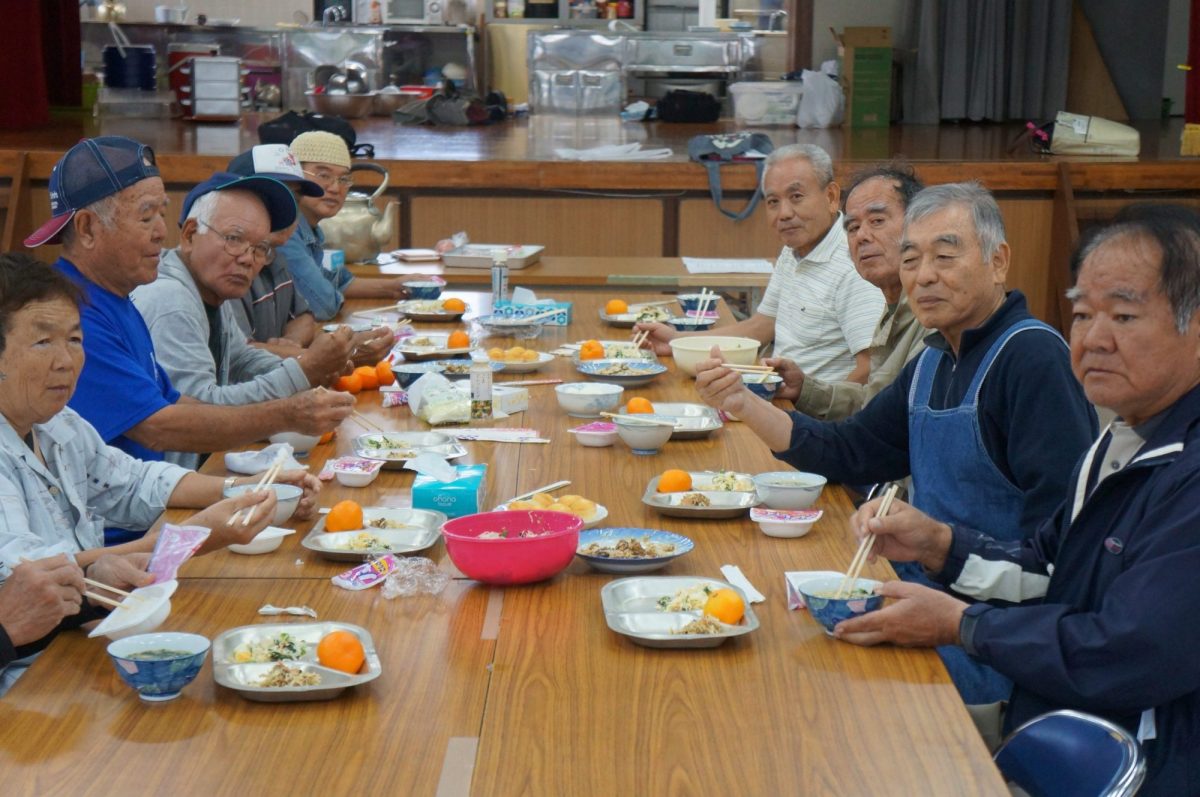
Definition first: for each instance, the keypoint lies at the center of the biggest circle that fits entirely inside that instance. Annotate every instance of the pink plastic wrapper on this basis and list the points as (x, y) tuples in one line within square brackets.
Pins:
[(175, 545), (348, 465), (395, 398), (368, 574)]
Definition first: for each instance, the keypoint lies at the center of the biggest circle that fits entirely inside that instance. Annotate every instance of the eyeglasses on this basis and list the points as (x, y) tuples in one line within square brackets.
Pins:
[(236, 245), (327, 179)]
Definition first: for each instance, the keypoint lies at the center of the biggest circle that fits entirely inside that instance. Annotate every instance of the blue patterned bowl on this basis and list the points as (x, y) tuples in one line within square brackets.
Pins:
[(763, 388), (159, 679), (423, 289), (829, 611)]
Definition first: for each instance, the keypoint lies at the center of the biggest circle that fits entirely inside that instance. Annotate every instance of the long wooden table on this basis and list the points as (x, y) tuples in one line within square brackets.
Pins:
[(525, 689)]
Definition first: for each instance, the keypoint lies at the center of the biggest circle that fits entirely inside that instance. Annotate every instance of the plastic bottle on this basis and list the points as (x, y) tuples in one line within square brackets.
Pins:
[(481, 386), (499, 277)]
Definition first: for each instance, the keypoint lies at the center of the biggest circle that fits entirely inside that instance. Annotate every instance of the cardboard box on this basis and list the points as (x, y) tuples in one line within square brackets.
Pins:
[(463, 496), (867, 76)]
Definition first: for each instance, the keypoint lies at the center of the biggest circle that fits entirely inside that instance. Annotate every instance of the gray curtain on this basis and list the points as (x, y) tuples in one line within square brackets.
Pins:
[(991, 60)]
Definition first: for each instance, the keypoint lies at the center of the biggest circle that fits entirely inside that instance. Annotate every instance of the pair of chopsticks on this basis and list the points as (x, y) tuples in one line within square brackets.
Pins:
[(100, 585), (534, 317), (763, 371), (707, 300), (547, 489), (640, 338), (266, 481), (639, 418), (860, 556), (365, 422)]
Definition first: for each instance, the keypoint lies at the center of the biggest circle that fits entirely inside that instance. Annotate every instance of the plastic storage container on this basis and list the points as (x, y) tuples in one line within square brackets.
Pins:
[(766, 103)]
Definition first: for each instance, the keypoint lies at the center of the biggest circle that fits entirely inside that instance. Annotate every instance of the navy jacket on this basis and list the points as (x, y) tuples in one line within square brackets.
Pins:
[(1033, 415), (1118, 630)]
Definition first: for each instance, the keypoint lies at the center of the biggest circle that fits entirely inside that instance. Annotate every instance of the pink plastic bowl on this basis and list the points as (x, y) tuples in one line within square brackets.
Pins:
[(512, 559)]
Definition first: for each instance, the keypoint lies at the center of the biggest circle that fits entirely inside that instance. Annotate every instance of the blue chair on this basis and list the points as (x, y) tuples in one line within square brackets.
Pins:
[(1072, 754)]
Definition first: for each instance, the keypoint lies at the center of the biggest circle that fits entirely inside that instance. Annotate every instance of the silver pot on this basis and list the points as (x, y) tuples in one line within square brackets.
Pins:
[(347, 106)]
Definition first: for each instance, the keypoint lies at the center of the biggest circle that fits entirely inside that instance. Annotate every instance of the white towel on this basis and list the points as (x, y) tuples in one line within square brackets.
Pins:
[(613, 152), (251, 462)]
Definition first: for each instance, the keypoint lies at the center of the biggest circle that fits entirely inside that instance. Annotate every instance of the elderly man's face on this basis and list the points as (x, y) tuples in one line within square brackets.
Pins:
[(799, 208), (128, 251), (950, 286), (1125, 348), (238, 219), (874, 221), (329, 177), (42, 357)]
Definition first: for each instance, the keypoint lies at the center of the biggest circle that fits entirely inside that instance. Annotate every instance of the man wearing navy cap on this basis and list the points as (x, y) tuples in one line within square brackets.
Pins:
[(108, 207), (189, 308)]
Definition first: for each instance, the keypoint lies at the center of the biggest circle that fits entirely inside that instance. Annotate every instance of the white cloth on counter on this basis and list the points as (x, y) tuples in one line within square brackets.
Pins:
[(252, 462), (613, 152)]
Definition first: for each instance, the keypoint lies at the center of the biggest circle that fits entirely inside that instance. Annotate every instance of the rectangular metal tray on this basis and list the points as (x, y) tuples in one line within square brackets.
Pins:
[(631, 609), (420, 442), (480, 256), (691, 420), (242, 678), (409, 307), (423, 530), (725, 503)]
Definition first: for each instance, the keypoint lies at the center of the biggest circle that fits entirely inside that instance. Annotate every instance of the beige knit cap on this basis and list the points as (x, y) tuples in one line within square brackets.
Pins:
[(317, 146)]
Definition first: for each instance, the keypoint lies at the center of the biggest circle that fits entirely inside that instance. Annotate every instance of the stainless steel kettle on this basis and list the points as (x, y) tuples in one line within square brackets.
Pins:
[(360, 229)]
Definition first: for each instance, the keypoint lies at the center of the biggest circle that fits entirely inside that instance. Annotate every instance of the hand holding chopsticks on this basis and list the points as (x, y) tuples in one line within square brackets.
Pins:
[(864, 548), (365, 422), (640, 338), (264, 483)]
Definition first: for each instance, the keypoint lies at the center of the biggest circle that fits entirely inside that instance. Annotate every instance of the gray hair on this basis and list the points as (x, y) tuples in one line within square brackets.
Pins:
[(204, 206), (822, 164), (985, 213), (106, 212)]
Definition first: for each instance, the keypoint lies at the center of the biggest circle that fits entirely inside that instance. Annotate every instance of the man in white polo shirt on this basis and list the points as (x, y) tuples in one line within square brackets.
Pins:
[(818, 311)]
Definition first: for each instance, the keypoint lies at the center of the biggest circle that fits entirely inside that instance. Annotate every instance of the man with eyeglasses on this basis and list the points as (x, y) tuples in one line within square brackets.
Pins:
[(108, 207), (325, 159), (189, 309)]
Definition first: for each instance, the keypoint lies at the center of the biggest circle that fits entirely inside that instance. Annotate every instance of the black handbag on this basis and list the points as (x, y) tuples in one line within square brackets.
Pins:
[(688, 106), (283, 129)]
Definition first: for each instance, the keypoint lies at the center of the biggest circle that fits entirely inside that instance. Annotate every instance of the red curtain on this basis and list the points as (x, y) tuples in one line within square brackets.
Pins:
[(45, 69)]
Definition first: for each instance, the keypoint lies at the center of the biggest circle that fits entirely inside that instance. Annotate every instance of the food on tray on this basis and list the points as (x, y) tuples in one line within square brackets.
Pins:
[(686, 599), (365, 542), (705, 624), (695, 499), (591, 350), (650, 314), (158, 654), (454, 305), (572, 504), (369, 377), (457, 369), (725, 605), (283, 675), (388, 523), (615, 307), (350, 383), (388, 448), (637, 404), (622, 351), (341, 650), (629, 548), (728, 481), (344, 516), (516, 354), (420, 342), (622, 369), (281, 647), (674, 481)]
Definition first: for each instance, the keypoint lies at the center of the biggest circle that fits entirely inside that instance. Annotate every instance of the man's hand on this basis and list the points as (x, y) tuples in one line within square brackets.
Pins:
[(318, 411), (719, 386), (312, 489), (793, 377), (388, 288), (920, 618), (260, 505), (123, 571), (905, 535), (660, 337), (372, 346), (38, 595), (284, 347), (328, 356)]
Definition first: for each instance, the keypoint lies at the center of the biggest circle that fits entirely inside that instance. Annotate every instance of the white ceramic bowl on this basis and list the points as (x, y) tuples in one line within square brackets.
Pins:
[(785, 523), (267, 540), (143, 611), (644, 438), (588, 399), (789, 489), (302, 443), (689, 351), (287, 497)]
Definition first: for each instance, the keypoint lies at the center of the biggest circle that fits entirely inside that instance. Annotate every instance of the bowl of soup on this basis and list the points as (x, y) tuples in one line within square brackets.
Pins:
[(829, 606), (789, 489), (158, 666)]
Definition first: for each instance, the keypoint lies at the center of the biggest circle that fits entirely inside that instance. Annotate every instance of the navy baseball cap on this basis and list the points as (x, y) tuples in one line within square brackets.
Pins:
[(281, 205), (274, 160), (91, 170)]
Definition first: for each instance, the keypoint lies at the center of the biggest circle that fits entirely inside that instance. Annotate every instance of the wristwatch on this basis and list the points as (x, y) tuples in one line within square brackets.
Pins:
[(230, 482)]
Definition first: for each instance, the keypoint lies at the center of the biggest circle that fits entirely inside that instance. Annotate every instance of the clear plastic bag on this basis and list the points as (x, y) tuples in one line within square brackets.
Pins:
[(414, 575)]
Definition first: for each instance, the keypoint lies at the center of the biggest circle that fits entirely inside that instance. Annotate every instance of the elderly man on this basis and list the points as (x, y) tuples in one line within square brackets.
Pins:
[(1105, 591), (189, 308), (874, 221), (108, 202), (819, 312), (969, 417), (273, 313), (325, 159)]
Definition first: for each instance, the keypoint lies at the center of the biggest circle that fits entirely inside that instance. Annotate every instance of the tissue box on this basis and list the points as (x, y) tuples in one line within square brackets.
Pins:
[(463, 496), (506, 309), (333, 259)]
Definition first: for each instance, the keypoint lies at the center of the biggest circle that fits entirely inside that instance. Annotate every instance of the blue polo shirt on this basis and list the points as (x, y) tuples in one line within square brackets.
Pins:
[(122, 383)]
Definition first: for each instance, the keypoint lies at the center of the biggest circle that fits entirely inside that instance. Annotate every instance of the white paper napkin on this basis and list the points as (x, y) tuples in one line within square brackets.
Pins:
[(794, 578), (252, 462), (733, 574)]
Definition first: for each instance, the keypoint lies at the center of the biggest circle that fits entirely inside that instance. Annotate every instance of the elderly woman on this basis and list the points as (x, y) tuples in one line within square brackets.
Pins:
[(59, 483)]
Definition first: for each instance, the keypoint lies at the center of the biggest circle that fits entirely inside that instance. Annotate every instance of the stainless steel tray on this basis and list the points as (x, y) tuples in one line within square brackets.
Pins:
[(410, 308), (619, 320), (723, 503), (480, 255), (408, 443), (242, 678), (631, 609), (691, 420), (422, 529)]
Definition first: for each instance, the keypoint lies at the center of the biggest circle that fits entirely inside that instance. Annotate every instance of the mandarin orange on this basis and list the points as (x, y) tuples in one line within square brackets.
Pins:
[(344, 516), (350, 383), (458, 340), (383, 372), (616, 307), (591, 350), (637, 404), (674, 481), (341, 650), (725, 605), (370, 381), (454, 305)]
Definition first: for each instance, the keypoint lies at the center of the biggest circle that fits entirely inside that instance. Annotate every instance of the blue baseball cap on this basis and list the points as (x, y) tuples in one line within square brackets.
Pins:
[(274, 160), (91, 170), (277, 197)]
